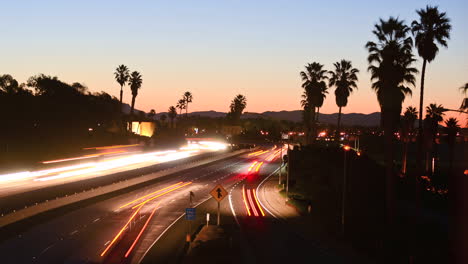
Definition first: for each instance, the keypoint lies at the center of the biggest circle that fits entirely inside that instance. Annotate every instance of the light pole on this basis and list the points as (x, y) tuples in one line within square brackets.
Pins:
[(281, 163), (346, 149)]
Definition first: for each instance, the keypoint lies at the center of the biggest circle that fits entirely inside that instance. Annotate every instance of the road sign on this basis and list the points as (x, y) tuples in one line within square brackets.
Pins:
[(190, 213), (219, 193)]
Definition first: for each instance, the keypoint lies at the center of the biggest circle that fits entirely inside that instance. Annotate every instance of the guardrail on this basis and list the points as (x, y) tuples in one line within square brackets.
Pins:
[(18, 215)]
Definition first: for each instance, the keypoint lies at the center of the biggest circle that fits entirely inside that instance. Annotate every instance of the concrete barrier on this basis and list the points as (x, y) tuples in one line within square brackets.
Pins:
[(48, 205)]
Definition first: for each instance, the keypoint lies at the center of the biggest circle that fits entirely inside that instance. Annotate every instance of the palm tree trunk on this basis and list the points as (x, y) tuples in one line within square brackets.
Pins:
[(186, 110), (405, 156), (420, 121), (121, 96), (389, 181), (339, 124), (132, 106), (318, 112), (313, 126)]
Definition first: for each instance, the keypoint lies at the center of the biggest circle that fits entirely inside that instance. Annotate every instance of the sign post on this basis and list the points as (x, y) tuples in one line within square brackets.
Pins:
[(219, 193), (190, 215)]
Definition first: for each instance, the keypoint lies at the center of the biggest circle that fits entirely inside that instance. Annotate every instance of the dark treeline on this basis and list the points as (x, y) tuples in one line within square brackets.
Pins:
[(45, 110)]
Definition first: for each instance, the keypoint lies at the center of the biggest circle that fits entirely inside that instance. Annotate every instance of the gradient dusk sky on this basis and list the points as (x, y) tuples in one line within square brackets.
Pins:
[(217, 49)]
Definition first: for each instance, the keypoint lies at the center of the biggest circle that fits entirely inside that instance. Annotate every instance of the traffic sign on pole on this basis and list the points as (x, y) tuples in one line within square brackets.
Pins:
[(190, 213), (219, 193)]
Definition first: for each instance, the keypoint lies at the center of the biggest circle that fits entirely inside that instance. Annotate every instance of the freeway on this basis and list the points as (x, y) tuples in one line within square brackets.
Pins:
[(122, 228), (96, 165)]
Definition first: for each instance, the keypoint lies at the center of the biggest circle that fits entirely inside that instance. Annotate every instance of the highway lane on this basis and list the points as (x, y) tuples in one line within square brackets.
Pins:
[(83, 234), (271, 240), (81, 168)]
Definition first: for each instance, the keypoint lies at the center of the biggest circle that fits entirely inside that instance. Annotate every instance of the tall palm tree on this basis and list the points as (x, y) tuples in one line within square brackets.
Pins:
[(432, 28), (344, 78), (390, 64), (181, 104), (407, 129), (135, 83), (315, 87), (172, 113), (434, 115), (121, 76), (188, 99)]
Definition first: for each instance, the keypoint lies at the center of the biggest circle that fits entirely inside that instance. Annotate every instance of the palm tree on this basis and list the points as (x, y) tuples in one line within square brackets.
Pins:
[(181, 105), (314, 91), (135, 82), (409, 117), (434, 115), (344, 78), (238, 104), (390, 60), (451, 128), (433, 27), (188, 99), (321, 99), (172, 113), (121, 76)]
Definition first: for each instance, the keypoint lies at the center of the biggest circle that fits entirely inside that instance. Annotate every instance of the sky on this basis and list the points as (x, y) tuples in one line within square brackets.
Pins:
[(218, 49)]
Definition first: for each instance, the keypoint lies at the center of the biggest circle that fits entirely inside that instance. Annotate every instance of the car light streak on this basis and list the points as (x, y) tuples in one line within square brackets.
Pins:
[(256, 200), (256, 152), (252, 205), (120, 232), (258, 166), (112, 147), (141, 231), (251, 166), (134, 201), (245, 201), (159, 195)]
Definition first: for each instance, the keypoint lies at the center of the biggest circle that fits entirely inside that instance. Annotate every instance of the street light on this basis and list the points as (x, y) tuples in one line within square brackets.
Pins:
[(346, 148)]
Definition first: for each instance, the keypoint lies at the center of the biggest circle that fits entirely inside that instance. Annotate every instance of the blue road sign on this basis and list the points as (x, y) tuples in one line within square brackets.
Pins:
[(190, 213)]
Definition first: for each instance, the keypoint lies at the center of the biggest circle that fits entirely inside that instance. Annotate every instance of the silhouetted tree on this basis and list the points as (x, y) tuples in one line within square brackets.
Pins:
[(315, 89), (181, 104), (344, 78), (122, 76), (163, 118), (433, 27), (390, 64), (407, 129), (152, 114), (238, 104), (451, 129), (434, 115), (172, 113), (188, 99), (135, 83)]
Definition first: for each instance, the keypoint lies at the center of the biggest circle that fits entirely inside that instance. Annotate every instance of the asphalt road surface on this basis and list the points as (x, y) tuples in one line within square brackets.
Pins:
[(120, 229)]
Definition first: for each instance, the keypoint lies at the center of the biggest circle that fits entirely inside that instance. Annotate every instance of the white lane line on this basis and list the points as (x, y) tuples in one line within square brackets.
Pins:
[(232, 207), (258, 187), (97, 219), (167, 228), (47, 248), (107, 243), (74, 232)]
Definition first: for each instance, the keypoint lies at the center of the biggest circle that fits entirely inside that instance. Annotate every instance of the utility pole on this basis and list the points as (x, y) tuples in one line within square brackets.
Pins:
[(343, 202), (287, 175), (281, 163)]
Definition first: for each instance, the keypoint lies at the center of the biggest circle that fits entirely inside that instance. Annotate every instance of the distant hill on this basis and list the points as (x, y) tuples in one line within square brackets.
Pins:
[(351, 119)]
